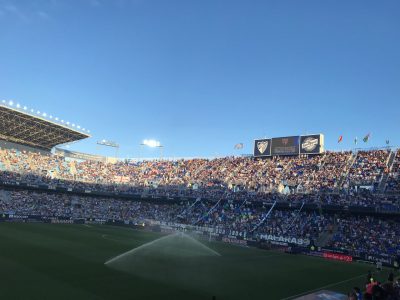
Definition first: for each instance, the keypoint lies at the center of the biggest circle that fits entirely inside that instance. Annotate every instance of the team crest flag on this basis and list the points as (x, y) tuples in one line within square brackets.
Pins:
[(239, 146), (340, 139), (366, 138)]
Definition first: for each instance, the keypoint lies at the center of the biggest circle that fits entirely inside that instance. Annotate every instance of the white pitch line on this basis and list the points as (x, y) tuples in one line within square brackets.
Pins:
[(323, 287)]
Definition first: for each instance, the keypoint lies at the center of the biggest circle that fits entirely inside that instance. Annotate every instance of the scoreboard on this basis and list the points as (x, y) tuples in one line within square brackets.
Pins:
[(290, 145), (285, 145)]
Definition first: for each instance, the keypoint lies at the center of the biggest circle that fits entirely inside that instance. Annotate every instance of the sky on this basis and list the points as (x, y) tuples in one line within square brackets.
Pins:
[(201, 76)]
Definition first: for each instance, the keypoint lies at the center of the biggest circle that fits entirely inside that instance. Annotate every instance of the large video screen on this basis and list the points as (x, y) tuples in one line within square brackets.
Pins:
[(289, 145)]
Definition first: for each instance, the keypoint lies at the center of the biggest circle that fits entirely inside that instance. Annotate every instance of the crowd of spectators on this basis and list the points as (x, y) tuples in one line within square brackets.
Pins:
[(368, 167), (295, 224), (357, 234), (230, 177), (367, 234), (23, 202), (231, 215), (252, 218), (239, 173)]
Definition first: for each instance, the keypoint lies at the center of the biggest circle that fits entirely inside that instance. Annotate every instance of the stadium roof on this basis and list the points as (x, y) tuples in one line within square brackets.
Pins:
[(20, 127)]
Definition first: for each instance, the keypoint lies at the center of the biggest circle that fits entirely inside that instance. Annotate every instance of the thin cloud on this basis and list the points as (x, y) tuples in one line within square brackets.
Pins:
[(95, 3), (25, 15), (42, 14), (14, 10)]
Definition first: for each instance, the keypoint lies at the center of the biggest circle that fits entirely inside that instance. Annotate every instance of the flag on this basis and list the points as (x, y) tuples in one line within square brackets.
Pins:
[(366, 138), (387, 142), (238, 146), (355, 141), (340, 139)]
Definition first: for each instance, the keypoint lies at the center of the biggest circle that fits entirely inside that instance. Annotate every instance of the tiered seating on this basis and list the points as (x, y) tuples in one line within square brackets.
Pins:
[(393, 183), (232, 177), (368, 167)]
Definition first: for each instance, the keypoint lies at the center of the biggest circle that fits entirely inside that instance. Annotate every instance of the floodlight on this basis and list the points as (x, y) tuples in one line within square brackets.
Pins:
[(10, 103), (18, 106), (25, 108), (151, 143), (108, 143), (38, 112), (4, 101), (56, 118), (44, 114)]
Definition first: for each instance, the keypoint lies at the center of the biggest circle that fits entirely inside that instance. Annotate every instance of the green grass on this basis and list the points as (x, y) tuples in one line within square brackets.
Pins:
[(48, 261)]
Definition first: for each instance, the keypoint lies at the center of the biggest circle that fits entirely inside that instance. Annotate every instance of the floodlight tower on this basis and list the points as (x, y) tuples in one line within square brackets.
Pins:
[(153, 144), (111, 144)]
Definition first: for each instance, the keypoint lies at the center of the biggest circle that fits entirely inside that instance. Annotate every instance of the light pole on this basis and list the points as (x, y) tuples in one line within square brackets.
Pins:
[(109, 144), (161, 151), (153, 144)]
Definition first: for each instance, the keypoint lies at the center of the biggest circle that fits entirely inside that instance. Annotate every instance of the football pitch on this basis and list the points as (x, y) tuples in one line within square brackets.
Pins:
[(62, 261)]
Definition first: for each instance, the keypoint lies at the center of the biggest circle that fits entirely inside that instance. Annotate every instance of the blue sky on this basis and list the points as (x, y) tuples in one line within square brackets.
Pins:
[(201, 76)]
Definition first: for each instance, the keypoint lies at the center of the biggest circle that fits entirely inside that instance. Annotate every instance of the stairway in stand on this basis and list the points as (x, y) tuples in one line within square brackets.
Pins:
[(326, 236), (382, 183)]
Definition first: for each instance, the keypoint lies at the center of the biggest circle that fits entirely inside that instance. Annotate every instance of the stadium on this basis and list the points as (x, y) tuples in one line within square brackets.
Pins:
[(236, 150), (80, 226)]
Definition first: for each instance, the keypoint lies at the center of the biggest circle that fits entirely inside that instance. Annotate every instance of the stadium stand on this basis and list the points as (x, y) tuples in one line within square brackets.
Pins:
[(329, 203), (346, 203), (261, 176), (357, 235)]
